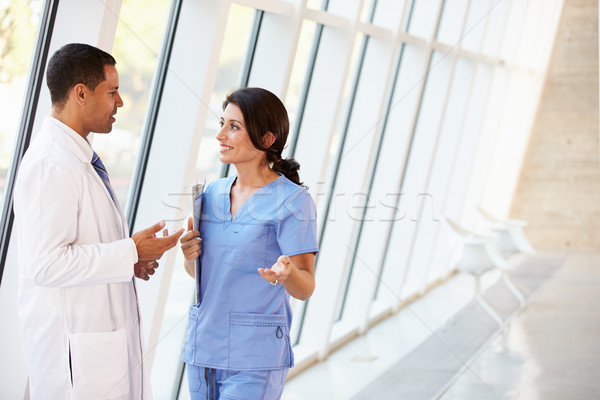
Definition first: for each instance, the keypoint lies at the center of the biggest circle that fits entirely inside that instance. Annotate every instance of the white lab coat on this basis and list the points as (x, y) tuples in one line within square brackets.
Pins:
[(77, 301)]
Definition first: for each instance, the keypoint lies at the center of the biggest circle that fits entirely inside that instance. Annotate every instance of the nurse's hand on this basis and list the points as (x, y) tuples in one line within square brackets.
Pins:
[(296, 273), (190, 242), (279, 272), (143, 269)]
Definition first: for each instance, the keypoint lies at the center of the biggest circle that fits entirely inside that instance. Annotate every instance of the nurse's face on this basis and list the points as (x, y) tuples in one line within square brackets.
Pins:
[(236, 147)]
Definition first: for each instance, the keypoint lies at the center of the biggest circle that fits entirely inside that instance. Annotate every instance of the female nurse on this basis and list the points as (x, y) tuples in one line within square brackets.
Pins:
[(258, 247)]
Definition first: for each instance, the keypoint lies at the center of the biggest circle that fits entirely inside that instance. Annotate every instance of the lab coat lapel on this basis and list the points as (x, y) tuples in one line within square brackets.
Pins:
[(67, 141), (119, 216)]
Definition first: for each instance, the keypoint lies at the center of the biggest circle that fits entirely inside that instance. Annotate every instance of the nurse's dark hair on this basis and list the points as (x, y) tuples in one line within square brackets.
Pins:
[(72, 64), (263, 112)]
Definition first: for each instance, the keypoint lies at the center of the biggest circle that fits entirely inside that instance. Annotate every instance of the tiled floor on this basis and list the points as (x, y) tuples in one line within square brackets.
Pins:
[(549, 350)]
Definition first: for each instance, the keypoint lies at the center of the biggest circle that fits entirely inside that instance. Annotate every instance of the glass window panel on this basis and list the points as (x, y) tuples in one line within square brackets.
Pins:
[(468, 145), (231, 61), (426, 245), (389, 13), (451, 23), (19, 22), (383, 195), (513, 30), (543, 39), (421, 152), (299, 75), (316, 4), (511, 141), (367, 10), (354, 167), (527, 38), (485, 145), (476, 20), (344, 8), (136, 49), (402, 114), (423, 19), (495, 28), (346, 99)]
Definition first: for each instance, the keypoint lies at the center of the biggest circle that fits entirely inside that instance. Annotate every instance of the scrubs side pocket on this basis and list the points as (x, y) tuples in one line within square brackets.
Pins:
[(99, 364), (258, 341), (189, 346)]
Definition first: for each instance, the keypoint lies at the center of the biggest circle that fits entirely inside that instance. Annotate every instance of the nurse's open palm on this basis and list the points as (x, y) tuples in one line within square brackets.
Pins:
[(278, 272), (190, 242)]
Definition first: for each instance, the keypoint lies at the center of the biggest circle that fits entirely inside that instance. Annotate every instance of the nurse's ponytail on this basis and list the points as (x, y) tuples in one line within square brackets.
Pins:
[(288, 167), (263, 113)]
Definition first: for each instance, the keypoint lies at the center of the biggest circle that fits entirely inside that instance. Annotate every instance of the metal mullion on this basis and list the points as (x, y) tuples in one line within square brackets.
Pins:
[(36, 79), (247, 68), (153, 112)]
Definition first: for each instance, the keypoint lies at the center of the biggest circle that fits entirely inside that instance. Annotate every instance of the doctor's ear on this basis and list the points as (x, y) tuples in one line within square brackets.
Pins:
[(80, 93)]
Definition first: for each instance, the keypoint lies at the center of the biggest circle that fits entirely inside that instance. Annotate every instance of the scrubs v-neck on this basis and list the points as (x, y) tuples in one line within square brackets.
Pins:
[(242, 322)]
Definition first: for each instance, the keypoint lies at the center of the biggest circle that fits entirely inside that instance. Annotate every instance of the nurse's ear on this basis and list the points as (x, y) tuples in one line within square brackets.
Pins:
[(268, 139)]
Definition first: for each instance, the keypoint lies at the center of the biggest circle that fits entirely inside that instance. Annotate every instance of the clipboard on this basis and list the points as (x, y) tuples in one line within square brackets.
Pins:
[(197, 196)]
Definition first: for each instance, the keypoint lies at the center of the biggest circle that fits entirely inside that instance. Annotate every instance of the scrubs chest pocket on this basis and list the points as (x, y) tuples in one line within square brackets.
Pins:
[(250, 244), (258, 341)]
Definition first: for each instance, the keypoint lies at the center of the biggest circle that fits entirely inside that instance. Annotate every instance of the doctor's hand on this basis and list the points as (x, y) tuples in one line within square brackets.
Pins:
[(190, 242), (279, 272), (143, 269), (150, 247)]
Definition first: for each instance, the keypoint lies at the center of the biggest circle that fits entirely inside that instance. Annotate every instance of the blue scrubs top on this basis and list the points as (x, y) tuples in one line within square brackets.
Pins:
[(242, 322)]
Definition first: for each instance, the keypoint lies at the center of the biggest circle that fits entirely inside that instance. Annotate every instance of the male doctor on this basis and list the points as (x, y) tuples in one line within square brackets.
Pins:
[(77, 298)]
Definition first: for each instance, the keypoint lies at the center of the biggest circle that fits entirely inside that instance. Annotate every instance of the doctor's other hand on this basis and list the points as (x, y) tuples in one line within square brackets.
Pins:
[(190, 242), (278, 272), (143, 269), (150, 247)]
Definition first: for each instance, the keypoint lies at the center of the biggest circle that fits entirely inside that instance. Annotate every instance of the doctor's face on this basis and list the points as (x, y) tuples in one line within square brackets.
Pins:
[(236, 146), (103, 102)]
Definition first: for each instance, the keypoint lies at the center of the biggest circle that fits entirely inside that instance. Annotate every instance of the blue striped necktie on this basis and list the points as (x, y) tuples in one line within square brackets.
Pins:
[(101, 170)]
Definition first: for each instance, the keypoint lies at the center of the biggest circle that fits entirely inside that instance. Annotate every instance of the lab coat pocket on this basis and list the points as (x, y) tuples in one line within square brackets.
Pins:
[(258, 341), (99, 364)]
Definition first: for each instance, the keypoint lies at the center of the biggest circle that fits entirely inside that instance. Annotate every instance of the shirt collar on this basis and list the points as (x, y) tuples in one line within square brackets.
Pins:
[(81, 142)]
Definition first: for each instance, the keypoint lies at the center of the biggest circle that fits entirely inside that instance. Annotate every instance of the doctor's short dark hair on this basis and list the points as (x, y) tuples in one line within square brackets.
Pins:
[(263, 112), (72, 64)]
